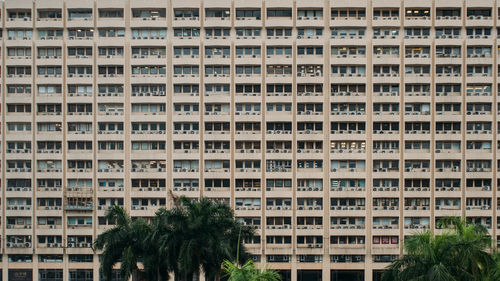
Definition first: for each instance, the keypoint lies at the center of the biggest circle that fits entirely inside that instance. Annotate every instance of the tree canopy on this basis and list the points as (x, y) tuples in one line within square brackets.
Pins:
[(192, 237), (463, 252)]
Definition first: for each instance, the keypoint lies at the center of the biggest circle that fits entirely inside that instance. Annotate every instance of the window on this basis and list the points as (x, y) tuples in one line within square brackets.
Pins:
[(79, 145), (278, 183), (278, 165), (414, 13), (309, 32), (79, 52), (448, 70), (417, 70), (49, 52), (217, 13), (186, 51), (186, 13), (148, 108), (80, 33), (80, 90), (278, 89), (479, 13), (25, 34), (248, 32), (153, 33), (448, 32), (351, 13), (273, 13), (278, 69), (279, 32), (80, 258), (385, 32), (148, 145), (144, 52), (309, 164), (215, 70), (186, 184), (18, 146), (186, 108), (186, 32), (479, 51), (149, 14), (417, 51), (79, 71), (111, 13), (111, 32), (81, 275), (18, 71), (417, 32), (148, 89), (247, 51), (247, 127), (79, 127), (247, 13), (49, 108), (187, 127), (349, 127), (145, 70), (478, 70), (214, 32), (18, 108), (310, 50), (181, 70), (217, 183), (385, 13), (110, 70), (350, 70), (109, 127), (417, 127), (448, 13), (79, 108), (48, 15), (21, 52), (18, 89), (448, 89), (386, 107), (18, 127), (53, 71), (310, 14), (50, 258), (279, 51), (79, 14)]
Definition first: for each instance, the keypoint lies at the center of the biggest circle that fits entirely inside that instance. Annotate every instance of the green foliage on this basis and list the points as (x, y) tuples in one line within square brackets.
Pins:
[(249, 272), (124, 243), (201, 235), (191, 236), (494, 273), (462, 254)]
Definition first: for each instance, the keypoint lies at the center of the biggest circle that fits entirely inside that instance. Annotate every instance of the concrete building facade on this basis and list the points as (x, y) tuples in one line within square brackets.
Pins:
[(335, 127)]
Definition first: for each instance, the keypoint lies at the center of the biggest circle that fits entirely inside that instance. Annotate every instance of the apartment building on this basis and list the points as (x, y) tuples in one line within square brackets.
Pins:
[(335, 127)]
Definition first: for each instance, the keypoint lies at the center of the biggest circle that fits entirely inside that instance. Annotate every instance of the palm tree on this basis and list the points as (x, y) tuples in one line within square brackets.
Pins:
[(168, 231), (200, 236), (426, 258), (123, 243), (155, 260), (249, 272), (462, 254), (472, 248), (189, 238), (494, 273)]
